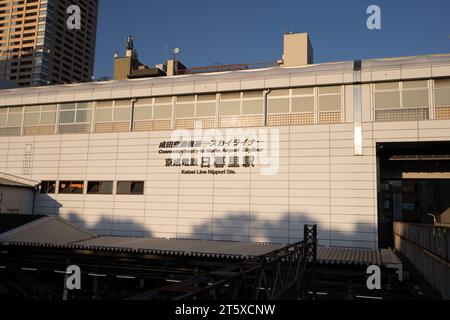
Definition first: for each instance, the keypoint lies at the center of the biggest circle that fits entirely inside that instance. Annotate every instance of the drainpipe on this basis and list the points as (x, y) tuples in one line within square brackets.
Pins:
[(133, 102), (357, 105), (266, 107)]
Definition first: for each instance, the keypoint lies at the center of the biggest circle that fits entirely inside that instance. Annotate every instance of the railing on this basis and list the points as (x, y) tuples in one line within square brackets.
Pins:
[(227, 67), (428, 248)]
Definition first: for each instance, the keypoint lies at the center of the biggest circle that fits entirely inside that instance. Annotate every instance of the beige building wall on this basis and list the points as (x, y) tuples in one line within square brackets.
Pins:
[(320, 180)]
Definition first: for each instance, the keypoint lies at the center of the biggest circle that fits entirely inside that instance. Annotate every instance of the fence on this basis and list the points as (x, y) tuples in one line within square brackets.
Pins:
[(428, 248)]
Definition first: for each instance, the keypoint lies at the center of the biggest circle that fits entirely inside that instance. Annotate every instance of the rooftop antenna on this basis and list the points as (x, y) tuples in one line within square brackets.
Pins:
[(129, 43), (176, 52)]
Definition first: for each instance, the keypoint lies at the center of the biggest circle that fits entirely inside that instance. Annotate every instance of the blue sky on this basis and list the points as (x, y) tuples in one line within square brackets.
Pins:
[(244, 31)]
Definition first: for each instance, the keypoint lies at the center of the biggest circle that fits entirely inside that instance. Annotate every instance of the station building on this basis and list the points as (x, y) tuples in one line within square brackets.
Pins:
[(249, 155)]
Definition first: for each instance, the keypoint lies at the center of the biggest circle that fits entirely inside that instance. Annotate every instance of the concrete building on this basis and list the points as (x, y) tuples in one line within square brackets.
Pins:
[(344, 145), (37, 47)]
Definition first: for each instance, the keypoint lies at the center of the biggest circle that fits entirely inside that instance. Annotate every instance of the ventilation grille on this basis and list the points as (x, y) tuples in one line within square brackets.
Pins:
[(402, 114), (242, 121), (442, 113), (330, 117), (38, 130), (291, 119)]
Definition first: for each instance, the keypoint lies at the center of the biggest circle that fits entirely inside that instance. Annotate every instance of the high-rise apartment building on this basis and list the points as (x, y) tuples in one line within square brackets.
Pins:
[(38, 48)]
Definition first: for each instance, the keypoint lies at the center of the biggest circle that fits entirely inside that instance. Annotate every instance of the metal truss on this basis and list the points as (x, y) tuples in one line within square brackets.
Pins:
[(287, 273)]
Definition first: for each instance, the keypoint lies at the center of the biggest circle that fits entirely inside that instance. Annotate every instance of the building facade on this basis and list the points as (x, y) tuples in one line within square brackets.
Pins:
[(36, 46), (244, 156)]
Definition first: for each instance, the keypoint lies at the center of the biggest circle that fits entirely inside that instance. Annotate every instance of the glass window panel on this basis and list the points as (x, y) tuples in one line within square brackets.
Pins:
[(122, 104), (15, 110), (64, 187), (330, 90), (122, 114), (387, 86), (104, 104), (137, 187), (279, 105), (162, 112), (443, 83), (303, 91), (67, 106), (14, 120), (278, 93), (49, 107), (123, 187), (442, 97), (143, 113), (417, 98), (84, 105), (33, 109), (48, 118), (106, 187), (231, 96), (387, 100), (144, 102), (185, 111), (206, 97), (303, 104), (93, 187), (185, 99), (253, 94), (77, 187), (206, 109), (252, 107), (67, 117), (84, 116), (103, 115), (415, 84), (163, 100), (230, 108), (3, 118), (330, 103), (31, 119)]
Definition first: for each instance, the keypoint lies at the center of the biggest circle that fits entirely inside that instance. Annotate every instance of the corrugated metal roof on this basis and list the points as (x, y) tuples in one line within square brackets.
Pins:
[(355, 256), (52, 231), (185, 247), (55, 232)]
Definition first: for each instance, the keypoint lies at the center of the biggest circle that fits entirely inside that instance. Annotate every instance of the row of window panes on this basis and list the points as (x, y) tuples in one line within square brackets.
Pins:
[(388, 95), (93, 187), (396, 95)]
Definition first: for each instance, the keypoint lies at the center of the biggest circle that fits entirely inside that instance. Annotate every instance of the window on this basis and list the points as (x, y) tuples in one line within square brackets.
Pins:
[(40, 115), (48, 187), (143, 109), (279, 101), (163, 108), (238, 109), (71, 113), (75, 187), (130, 187), (230, 104), (100, 187), (193, 111), (442, 92), (401, 101), (442, 98), (113, 116), (252, 103), (330, 104)]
